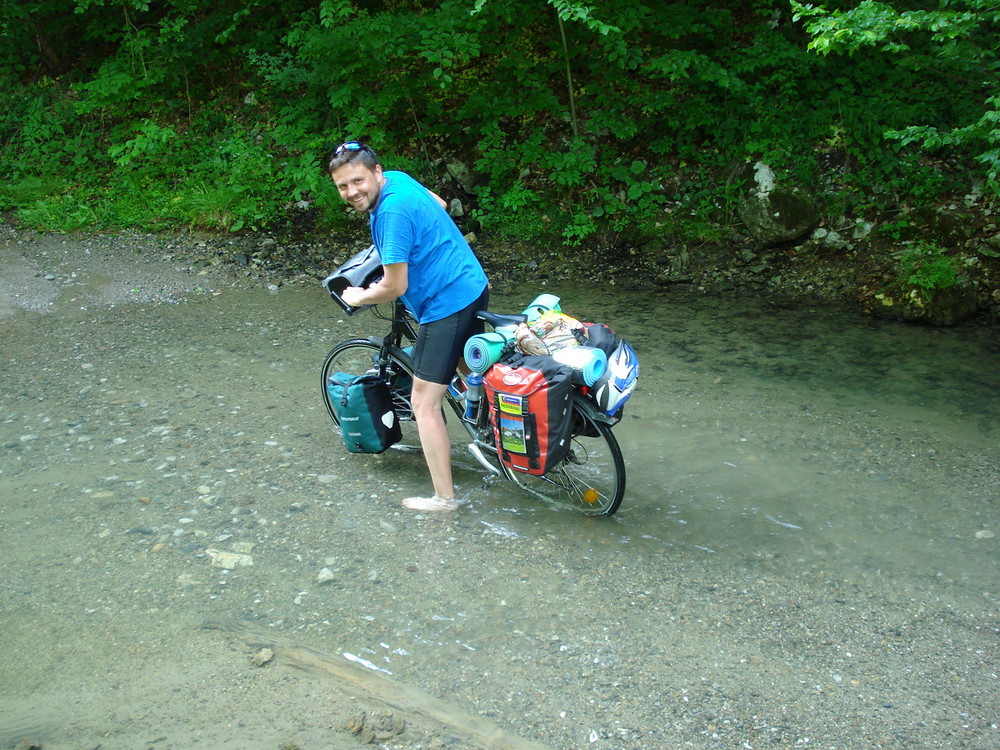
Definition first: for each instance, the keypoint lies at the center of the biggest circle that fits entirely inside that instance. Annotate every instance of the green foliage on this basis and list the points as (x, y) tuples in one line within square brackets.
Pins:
[(582, 123), (214, 206), (897, 230), (60, 213), (927, 267), (957, 40), (514, 214), (568, 10), (150, 142), (874, 23), (139, 201), (573, 11), (27, 191), (39, 134)]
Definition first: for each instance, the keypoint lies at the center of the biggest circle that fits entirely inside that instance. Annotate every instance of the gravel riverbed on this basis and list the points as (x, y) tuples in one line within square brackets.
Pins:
[(191, 559)]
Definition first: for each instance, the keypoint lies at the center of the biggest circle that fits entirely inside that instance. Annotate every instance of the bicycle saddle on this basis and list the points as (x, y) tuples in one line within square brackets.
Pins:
[(499, 320)]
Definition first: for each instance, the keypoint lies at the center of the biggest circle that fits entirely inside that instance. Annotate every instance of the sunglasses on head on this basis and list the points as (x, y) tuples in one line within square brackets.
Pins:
[(352, 146)]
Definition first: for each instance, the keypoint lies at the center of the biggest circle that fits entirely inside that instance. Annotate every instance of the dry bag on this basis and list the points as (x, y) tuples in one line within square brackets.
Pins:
[(363, 404), (530, 400)]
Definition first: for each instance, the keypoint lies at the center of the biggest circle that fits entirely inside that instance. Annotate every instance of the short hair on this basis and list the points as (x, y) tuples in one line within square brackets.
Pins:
[(351, 151)]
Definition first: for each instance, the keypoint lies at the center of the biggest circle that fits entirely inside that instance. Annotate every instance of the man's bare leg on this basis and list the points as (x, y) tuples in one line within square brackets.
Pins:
[(427, 399)]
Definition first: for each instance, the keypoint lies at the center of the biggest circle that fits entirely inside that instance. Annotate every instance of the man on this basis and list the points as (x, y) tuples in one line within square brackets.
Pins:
[(428, 263)]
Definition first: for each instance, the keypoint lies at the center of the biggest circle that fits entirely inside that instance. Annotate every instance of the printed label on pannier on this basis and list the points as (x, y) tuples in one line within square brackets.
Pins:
[(512, 434), (511, 404)]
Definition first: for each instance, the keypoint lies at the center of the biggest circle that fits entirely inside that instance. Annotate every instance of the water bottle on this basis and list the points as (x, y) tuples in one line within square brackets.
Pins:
[(473, 395)]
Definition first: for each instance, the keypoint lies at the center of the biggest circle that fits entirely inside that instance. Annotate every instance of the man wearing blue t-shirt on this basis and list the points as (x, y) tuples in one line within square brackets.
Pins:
[(427, 262)]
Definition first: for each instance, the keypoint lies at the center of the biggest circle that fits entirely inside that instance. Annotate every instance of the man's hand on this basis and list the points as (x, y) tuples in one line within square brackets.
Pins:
[(391, 286), (353, 296)]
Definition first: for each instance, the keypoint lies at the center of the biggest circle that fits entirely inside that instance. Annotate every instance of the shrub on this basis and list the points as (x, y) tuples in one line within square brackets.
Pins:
[(927, 267)]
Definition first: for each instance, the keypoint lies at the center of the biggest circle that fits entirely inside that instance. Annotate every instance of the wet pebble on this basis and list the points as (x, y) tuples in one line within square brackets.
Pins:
[(228, 560), (325, 576)]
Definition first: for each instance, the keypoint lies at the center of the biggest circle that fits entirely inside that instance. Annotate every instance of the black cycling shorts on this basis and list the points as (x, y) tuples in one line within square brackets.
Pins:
[(440, 344)]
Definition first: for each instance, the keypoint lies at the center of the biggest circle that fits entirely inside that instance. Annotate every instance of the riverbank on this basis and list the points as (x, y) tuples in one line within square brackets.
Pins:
[(856, 278)]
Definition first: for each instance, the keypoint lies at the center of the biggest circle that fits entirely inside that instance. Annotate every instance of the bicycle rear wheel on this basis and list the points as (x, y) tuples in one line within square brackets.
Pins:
[(360, 356), (591, 479)]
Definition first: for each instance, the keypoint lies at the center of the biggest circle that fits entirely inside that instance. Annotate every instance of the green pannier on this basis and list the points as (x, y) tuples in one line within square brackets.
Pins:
[(368, 423)]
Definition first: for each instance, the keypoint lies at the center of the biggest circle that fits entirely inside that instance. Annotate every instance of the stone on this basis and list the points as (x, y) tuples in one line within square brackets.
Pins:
[(833, 241), (774, 214), (229, 560), (262, 657), (463, 173), (940, 307)]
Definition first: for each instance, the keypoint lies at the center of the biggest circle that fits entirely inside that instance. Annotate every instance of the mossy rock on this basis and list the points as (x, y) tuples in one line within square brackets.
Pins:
[(939, 307)]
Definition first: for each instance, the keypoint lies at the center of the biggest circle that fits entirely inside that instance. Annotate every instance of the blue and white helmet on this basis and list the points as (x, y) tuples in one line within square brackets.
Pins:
[(614, 387)]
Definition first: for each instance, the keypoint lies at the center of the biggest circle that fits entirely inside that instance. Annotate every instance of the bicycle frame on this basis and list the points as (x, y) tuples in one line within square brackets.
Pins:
[(401, 333)]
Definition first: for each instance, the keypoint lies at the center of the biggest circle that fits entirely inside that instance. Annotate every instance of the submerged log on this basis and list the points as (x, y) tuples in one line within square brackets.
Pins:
[(475, 729)]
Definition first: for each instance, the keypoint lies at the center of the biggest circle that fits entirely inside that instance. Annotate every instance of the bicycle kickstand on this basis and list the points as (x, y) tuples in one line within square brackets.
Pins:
[(494, 473)]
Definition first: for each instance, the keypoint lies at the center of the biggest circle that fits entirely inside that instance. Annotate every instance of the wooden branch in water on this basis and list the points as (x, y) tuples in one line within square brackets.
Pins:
[(481, 731)]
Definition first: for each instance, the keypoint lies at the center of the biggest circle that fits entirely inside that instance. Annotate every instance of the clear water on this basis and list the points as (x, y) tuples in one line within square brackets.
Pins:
[(811, 501), (812, 437)]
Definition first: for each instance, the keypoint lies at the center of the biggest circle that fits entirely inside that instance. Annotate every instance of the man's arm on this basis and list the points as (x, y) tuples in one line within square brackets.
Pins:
[(439, 199), (393, 284)]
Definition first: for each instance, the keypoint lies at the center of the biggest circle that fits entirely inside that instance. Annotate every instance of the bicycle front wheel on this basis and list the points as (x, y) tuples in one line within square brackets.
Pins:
[(360, 356), (591, 478)]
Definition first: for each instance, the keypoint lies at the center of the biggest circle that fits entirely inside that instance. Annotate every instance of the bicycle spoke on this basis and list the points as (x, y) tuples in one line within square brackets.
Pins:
[(592, 477)]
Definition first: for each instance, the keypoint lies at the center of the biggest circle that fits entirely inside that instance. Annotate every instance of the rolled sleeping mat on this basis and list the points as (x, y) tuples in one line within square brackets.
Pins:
[(542, 303), (587, 362), (484, 350), (508, 332)]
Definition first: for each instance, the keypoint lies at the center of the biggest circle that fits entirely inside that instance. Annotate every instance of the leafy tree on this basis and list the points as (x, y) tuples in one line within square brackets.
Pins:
[(585, 121), (958, 39)]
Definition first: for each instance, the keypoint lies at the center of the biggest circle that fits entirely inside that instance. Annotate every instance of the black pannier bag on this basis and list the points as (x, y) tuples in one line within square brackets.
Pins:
[(368, 423)]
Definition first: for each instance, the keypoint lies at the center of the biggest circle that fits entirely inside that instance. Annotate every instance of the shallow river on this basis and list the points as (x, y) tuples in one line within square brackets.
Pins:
[(807, 553)]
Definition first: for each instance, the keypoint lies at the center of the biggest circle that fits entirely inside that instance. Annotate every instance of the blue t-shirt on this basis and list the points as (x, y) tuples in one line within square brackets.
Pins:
[(409, 226)]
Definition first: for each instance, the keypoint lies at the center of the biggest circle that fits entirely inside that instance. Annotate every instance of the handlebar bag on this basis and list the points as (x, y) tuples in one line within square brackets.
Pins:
[(368, 423), (364, 269), (530, 399)]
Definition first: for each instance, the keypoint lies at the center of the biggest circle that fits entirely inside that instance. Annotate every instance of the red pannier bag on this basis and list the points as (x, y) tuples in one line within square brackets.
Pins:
[(530, 399)]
